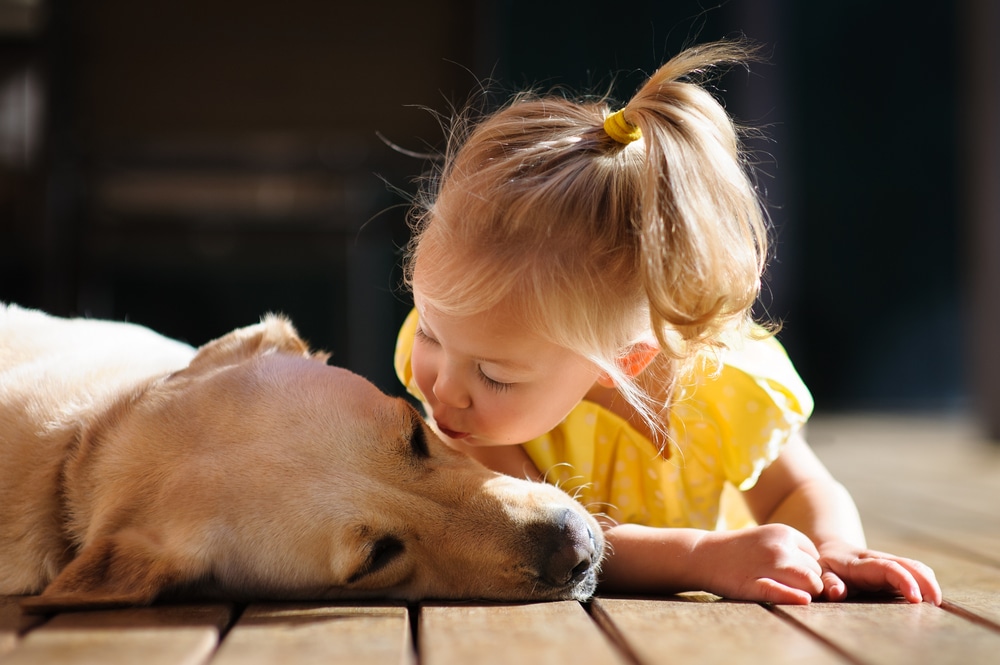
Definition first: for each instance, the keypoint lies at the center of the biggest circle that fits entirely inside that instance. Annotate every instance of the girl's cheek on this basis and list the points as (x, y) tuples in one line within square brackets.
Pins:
[(502, 416), (423, 373)]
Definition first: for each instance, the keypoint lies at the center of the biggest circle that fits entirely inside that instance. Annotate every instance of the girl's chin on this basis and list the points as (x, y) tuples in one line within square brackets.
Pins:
[(468, 440)]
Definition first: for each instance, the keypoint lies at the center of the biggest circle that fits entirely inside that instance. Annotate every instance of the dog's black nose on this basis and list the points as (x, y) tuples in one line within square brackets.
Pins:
[(567, 548)]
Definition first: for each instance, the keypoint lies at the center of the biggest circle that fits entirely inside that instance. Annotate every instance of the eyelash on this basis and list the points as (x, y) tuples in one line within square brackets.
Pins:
[(492, 384)]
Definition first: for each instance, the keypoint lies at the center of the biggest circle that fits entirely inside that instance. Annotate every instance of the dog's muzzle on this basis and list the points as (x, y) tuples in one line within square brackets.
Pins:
[(568, 554)]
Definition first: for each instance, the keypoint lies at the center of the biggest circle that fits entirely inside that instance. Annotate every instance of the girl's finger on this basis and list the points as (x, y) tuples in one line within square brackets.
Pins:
[(772, 591), (834, 588), (878, 574), (804, 576), (930, 590)]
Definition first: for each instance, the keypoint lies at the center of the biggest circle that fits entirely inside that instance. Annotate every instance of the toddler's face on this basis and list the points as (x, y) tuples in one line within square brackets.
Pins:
[(487, 382)]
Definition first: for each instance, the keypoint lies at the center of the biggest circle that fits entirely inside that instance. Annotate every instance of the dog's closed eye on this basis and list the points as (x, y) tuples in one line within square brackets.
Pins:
[(381, 553), (418, 438)]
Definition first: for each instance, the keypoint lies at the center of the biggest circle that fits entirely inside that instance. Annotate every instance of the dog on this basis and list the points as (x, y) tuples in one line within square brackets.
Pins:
[(134, 468)]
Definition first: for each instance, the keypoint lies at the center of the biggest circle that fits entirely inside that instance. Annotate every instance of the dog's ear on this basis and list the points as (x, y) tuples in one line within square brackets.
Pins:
[(122, 570), (273, 334)]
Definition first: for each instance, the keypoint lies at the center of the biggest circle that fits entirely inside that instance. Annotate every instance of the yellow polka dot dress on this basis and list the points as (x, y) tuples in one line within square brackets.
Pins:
[(726, 428)]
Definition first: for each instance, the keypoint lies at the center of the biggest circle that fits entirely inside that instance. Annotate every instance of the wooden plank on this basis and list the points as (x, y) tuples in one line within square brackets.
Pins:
[(312, 633), (930, 519), (906, 451), (969, 586), (934, 476), (557, 632), (957, 504), (13, 623), (958, 540), (893, 632), (969, 499), (687, 630), (161, 635)]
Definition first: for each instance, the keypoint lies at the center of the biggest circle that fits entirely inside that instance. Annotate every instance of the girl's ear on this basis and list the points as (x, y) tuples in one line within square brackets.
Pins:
[(632, 363)]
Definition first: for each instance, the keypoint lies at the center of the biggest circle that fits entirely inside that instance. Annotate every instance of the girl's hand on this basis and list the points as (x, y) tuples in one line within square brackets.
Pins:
[(771, 563), (847, 568)]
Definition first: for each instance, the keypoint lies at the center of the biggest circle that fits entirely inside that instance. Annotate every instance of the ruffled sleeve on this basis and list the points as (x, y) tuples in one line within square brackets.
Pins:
[(743, 414)]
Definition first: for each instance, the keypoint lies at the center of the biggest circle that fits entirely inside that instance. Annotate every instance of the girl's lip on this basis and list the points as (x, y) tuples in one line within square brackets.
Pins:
[(451, 434)]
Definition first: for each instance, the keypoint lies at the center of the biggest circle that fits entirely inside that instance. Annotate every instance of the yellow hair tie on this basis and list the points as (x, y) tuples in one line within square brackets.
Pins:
[(621, 129)]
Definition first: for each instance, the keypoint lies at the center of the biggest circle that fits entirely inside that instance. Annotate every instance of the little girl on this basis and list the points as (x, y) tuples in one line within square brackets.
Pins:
[(582, 283)]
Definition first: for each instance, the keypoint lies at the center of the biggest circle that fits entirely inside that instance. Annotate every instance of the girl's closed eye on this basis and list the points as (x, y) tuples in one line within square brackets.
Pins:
[(422, 336), (493, 384)]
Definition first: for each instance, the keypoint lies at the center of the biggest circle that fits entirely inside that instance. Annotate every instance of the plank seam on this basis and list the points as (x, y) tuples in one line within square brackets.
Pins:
[(969, 615), (235, 613), (795, 623), (607, 625), (413, 618)]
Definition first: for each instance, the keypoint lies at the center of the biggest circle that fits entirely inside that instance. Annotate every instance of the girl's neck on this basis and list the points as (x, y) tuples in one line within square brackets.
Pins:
[(655, 382), (612, 400)]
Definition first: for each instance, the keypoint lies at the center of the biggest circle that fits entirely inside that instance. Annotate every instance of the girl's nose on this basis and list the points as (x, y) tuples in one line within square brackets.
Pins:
[(451, 392)]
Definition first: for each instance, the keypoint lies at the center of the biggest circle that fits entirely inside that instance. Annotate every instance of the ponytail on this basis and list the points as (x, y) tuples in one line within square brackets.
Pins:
[(702, 231)]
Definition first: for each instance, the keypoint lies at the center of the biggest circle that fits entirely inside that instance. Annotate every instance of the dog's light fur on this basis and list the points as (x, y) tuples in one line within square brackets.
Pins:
[(133, 465)]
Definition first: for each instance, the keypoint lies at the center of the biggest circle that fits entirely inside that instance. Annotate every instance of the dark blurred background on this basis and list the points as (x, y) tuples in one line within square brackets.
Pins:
[(190, 165)]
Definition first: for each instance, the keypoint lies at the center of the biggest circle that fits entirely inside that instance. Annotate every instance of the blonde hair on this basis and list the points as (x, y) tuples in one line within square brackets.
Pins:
[(599, 243)]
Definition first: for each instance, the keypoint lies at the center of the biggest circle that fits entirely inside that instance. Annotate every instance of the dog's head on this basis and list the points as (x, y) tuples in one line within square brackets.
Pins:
[(261, 472)]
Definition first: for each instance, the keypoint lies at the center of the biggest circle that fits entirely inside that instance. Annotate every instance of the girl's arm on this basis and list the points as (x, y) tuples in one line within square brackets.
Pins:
[(797, 490), (641, 559), (809, 543), (772, 563)]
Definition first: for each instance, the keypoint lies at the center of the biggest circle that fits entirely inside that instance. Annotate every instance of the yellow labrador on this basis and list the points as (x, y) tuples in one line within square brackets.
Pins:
[(133, 466)]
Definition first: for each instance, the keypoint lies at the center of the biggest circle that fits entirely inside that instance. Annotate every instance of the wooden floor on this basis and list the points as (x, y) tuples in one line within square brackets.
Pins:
[(927, 488)]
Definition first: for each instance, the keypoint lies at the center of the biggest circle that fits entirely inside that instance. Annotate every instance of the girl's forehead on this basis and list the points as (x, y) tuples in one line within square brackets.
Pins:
[(497, 324), (493, 336)]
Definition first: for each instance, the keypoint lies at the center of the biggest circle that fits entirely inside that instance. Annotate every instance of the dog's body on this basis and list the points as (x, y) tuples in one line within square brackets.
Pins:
[(132, 464)]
